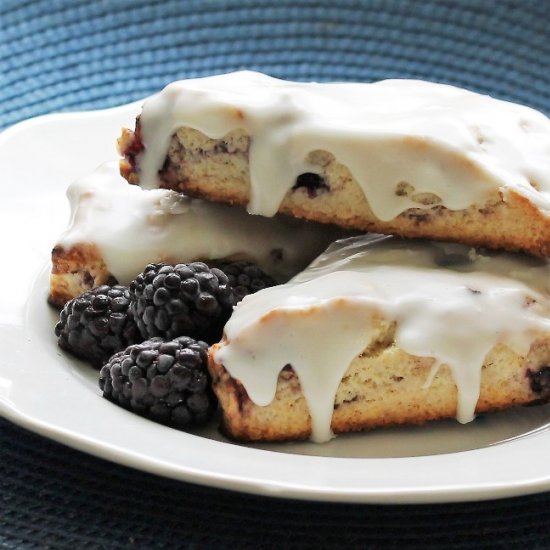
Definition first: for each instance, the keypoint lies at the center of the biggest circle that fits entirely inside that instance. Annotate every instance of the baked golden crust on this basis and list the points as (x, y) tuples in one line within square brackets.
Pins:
[(383, 386), (76, 270), (217, 170)]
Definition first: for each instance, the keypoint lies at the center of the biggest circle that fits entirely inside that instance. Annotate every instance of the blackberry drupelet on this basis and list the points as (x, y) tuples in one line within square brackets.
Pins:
[(246, 278), (97, 324), (184, 299), (166, 381)]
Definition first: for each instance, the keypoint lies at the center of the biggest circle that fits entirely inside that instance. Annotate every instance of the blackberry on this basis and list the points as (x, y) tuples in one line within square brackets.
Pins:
[(166, 381), (246, 278), (97, 324), (183, 299)]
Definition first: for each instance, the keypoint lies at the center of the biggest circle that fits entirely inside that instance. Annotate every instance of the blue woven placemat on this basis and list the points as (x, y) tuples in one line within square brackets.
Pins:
[(60, 55), (54, 497)]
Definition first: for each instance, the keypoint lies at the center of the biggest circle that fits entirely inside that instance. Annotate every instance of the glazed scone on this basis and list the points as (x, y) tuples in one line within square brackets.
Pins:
[(380, 331), (404, 157), (117, 229)]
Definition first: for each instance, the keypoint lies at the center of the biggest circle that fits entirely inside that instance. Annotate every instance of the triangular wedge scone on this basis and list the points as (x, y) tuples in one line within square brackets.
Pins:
[(404, 157), (117, 229), (381, 331)]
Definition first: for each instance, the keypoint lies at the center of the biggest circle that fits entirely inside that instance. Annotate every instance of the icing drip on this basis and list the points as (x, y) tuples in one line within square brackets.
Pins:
[(452, 143), (133, 227), (448, 302)]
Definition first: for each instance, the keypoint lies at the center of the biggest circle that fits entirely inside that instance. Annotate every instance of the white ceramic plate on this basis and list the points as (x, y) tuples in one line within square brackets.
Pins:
[(44, 390)]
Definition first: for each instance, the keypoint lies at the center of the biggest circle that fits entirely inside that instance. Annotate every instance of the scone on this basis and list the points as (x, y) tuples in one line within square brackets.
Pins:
[(381, 331), (404, 157), (117, 229)]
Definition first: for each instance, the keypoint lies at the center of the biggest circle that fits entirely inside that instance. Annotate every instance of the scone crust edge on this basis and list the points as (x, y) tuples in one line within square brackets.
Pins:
[(76, 269), (380, 390), (217, 170)]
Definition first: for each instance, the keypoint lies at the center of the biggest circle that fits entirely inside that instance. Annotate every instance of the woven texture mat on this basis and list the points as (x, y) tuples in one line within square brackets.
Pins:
[(60, 55)]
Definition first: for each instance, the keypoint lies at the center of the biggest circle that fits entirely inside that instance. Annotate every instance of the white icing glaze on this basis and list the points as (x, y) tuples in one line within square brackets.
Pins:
[(323, 318), (132, 227), (456, 144)]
